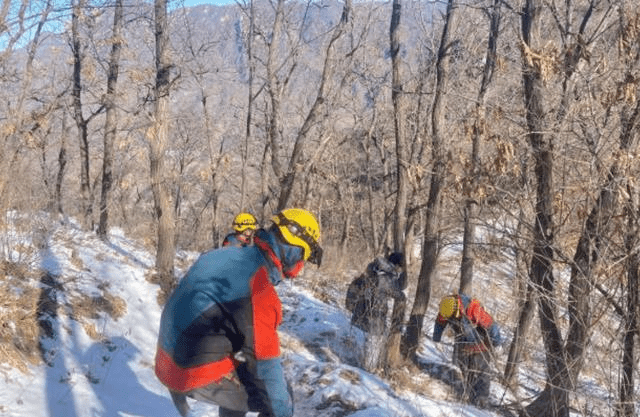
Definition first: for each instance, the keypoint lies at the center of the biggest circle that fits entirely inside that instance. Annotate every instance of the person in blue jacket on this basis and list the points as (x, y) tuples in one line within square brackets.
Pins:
[(244, 226), (218, 339), (476, 334)]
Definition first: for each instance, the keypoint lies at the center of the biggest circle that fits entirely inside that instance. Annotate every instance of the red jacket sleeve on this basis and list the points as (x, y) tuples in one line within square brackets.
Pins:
[(267, 315), (477, 314)]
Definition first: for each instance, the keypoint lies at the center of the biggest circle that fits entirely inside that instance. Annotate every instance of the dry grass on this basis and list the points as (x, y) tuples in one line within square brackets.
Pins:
[(89, 307), (19, 325), (29, 302)]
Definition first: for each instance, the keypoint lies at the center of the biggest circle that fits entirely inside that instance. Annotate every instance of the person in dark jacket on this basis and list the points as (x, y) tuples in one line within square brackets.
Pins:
[(476, 334), (367, 298), (218, 339), (244, 226)]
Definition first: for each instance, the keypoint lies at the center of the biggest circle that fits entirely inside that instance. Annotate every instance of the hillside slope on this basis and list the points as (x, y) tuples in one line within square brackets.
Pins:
[(98, 320)]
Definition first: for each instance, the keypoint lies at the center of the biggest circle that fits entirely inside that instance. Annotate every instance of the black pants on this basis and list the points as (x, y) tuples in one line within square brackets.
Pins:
[(235, 395), (476, 373), (223, 412)]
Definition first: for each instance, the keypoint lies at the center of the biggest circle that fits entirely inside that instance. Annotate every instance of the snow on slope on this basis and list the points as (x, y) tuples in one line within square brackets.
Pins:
[(109, 371)]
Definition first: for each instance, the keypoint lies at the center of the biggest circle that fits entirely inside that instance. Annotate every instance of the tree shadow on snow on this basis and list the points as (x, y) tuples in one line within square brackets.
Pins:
[(446, 373), (129, 255), (58, 383), (319, 330), (451, 376), (103, 371), (107, 367)]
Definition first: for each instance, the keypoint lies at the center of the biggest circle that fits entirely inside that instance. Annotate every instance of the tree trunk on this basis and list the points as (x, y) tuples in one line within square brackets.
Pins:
[(81, 122), (157, 136), (111, 120), (287, 180), (527, 312), (394, 357), (626, 407), (247, 135), (275, 88), (413, 332), (628, 400), (62, 164), (215, 163), (398, 99), (525, 292), (479, 131), (554, 401), (371, 212)]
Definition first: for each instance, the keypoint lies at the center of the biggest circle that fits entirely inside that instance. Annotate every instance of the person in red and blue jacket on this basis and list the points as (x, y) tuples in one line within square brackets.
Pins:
[(218, 339), (244, 226), (476, 333)]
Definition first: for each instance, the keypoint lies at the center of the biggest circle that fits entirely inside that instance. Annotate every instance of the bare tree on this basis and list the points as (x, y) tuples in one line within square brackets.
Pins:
[(626, 406), (62, 164), (251, 60), (111, 123), (402, 186), (631, 315), (200, 67), (541, 269), (157, 135), (564, 359), (24, 119), (82, 122), (478, 133), (430, 244), (287, 179), (275, 88)]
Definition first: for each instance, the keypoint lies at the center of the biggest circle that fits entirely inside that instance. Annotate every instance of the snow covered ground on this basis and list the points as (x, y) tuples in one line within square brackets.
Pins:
[(103, 365)]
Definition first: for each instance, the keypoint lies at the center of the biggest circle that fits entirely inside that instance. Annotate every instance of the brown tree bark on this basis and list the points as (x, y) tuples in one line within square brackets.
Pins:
[(62, 165), (627, 404), (394, 356), (287, 179), (275, 89), (430, 245), (157, 137), (111, 124), (247, 135), (479, 131), (564, 360), (631, 313), (81, 122), (526, 294), (554, 402)]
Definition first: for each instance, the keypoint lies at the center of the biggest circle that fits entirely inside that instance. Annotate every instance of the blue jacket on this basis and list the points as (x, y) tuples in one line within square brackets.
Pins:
[(224, 307), (236, 239)]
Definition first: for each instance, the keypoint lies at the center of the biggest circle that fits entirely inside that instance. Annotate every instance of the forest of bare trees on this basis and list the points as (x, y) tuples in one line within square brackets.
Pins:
[(507, 127)]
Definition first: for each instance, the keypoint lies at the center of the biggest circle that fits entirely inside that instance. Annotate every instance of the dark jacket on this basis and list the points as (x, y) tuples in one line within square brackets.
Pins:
[(368, 295), (236, 239), (475, 330), (225, 305)]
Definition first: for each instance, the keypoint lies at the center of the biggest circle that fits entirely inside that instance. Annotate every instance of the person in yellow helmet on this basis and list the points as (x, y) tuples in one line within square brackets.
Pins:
[(476, 334), (244, 226), (218, 340)]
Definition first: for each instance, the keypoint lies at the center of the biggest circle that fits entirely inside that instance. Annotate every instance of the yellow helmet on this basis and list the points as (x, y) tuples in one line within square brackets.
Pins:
[(449, 307), (300, 228), (244, 221)]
